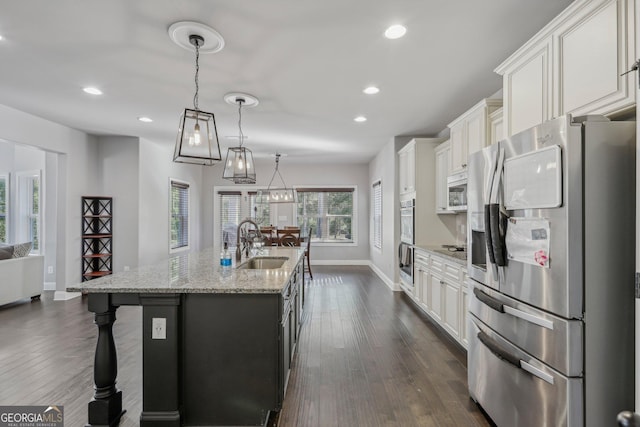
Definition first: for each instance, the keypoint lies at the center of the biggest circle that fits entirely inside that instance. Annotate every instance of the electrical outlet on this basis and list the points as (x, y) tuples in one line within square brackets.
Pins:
[(126, 268), (50, 269), (158, 328), (282, 218)]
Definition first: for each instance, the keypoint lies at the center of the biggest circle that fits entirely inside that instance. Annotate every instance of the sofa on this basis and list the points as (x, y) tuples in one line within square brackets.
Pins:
[(21, 277)]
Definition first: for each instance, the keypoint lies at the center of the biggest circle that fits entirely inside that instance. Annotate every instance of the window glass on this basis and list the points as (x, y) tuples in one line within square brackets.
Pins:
[(377, 215), (179, 215), (329, 211)]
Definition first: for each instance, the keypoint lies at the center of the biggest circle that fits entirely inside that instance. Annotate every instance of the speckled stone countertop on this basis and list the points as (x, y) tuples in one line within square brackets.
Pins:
[(459, 257), (198, 272)]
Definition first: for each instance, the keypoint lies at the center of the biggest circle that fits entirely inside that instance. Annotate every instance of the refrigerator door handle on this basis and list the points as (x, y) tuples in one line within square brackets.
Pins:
[(504, 355), (500, 307), (536, 372), (548, 324), (498, 351), (498, 221), (488, 300)]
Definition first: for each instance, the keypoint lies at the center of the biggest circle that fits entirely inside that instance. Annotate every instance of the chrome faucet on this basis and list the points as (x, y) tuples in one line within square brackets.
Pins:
[(238, 250)]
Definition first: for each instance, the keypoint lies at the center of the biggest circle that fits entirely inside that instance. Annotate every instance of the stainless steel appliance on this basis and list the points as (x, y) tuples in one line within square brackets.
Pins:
[(405, 262), (457, 192), (407, 224), (551, 218)]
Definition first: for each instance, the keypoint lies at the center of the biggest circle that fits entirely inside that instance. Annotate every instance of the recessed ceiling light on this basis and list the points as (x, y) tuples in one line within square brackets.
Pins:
[(395, 32), (145, 119), (360, 119), (371, 90), (92, 90), (1, 37)]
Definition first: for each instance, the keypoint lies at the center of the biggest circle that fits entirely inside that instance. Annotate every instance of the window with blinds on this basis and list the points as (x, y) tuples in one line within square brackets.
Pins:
[(179, 215), (376, 234), (4, 194), (330, 211), (230, 215), (236, 206)]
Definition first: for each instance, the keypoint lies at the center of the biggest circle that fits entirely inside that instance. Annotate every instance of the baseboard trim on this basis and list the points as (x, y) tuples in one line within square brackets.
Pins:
[(64, 295), (49, 286), (385, 279), (340, 262)]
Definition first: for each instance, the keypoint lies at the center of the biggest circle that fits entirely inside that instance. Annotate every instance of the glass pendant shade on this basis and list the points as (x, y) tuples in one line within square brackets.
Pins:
[(275, 194), (239, 166), (197, 140)]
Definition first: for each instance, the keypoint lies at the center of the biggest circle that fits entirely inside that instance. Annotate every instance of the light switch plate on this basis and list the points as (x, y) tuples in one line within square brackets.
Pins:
[(158, 328)]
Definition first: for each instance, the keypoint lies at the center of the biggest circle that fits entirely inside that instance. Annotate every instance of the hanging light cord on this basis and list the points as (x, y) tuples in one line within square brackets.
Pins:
[(195, 97), (241, 136)]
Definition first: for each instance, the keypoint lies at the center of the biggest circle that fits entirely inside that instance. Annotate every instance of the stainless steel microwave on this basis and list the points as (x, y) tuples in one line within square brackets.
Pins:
[(457, 192)]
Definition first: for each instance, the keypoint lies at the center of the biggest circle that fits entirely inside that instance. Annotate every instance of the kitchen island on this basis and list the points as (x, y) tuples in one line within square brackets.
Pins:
[(217, 343)]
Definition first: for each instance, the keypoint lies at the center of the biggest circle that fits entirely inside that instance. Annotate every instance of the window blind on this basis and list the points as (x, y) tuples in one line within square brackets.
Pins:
[(230, 213), (3, 208), (179, 227), (377, 215), (329, 211), (259, 212)]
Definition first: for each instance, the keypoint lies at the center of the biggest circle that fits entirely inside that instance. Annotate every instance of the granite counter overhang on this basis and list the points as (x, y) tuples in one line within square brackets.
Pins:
[(460, 257), (198, 272)]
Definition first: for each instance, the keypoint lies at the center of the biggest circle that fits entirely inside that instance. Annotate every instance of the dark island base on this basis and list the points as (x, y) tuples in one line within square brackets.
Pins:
[(225, 360)]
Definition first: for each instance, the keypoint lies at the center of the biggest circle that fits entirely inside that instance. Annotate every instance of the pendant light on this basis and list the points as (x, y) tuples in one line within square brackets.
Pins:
[(239, 166), (274, 194), (197, 140)]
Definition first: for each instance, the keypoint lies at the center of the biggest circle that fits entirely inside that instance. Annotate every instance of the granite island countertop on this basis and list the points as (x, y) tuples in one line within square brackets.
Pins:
[(197, 272), (459, 257)]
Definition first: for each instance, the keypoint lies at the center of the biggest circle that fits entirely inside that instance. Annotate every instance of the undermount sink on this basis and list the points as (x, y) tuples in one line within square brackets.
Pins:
[(263, 263)]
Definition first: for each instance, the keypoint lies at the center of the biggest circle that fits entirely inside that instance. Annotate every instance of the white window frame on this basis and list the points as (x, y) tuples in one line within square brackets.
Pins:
[(244, 190), (188, 245), (24, 213), (354, 216), (7, 206), (376, 217)]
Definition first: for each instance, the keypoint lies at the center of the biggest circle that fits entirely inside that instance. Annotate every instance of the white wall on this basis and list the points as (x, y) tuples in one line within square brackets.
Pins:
[(300, 174), (156, 167), (77, 165), (118, 160), (383, 167)]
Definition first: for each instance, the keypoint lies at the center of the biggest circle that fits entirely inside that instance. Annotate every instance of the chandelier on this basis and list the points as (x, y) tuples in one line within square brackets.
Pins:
[(197, 140), (239, 166), (274, 194)]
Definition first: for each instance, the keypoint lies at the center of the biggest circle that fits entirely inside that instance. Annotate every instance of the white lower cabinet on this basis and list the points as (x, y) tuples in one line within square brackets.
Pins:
[(451, 318), (435, 284), (464, 306), (441, 292)]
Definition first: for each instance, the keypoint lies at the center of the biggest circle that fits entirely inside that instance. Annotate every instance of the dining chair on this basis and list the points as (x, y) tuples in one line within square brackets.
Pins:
[(288, 239), (268, 233)]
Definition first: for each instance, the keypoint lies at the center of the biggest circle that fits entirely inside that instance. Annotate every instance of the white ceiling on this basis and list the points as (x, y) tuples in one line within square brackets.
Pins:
[(307, 62)]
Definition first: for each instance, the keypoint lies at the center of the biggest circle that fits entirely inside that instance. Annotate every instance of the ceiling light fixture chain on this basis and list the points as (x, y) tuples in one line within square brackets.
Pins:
[(196, 41), (241, 136)]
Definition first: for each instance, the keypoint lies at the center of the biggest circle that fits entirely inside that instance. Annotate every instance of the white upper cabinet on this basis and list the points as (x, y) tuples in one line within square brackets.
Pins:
[(470, 133), (527, 89), (443, 165), (406, 168), (573, 65)]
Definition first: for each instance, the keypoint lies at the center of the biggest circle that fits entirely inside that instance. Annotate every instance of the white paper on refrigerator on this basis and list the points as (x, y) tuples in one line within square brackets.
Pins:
[(527, 241)]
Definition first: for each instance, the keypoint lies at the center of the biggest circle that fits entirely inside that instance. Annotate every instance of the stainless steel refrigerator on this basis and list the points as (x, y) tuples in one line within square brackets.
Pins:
[(551, 218)]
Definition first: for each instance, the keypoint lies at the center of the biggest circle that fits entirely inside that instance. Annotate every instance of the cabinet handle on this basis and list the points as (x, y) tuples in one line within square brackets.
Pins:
[(442, 282), (464, 165)]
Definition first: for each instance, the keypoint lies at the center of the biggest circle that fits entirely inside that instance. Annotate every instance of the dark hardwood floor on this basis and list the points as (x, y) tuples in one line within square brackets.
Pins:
[(366, 357)]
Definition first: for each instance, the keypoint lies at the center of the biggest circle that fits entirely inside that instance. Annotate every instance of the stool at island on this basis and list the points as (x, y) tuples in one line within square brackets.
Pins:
[(217, 342)]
